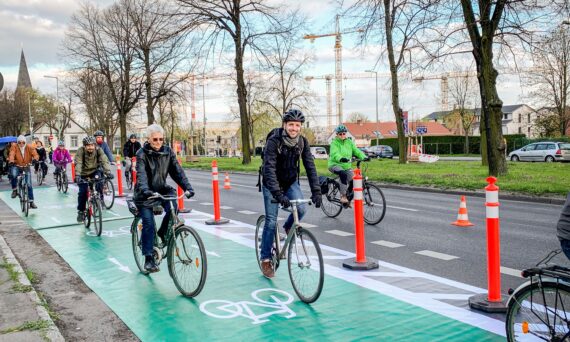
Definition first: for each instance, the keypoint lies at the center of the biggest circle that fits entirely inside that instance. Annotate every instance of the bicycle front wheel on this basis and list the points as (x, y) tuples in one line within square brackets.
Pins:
[(39, 176), (331, 205), (539, 312), (129, 180), (187, 261), (97, 217), (108, 194), (306, 267), (258, 236), (87, 214), (58, 181), (25, 200), (136, 233), (64, 183), (374, 204)]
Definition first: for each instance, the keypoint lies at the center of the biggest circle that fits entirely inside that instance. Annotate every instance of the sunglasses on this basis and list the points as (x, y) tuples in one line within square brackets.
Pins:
[(341, 133), (21, 142), (157, 139)]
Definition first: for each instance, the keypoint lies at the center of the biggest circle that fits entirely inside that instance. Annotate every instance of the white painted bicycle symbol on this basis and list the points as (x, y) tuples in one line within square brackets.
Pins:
[(126, 230), (265, 299)]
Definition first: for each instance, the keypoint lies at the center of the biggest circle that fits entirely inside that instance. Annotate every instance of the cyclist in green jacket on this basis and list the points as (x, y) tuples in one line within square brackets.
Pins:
[(340, 159)]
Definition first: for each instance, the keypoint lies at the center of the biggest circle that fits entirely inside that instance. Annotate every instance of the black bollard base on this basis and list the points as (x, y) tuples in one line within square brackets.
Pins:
[(481, 302), (213, 222), (185, 210), (369, 264)]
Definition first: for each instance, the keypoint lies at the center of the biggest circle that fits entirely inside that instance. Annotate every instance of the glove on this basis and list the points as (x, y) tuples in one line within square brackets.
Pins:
[(77, 179), (317, 199), (189, 193), (148, 193), (284, 201), (367, 159), (343, 160), (110, 176)]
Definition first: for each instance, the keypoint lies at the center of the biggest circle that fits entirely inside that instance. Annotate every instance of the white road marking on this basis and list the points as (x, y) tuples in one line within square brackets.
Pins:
[(338, 232), (511, 271), (121, 266), (247, 212), (113, 213), (206, 203), (387, 244), (212, 253), (437, 255), (400, 208), (56, 220), (308, 225), (225, 207)]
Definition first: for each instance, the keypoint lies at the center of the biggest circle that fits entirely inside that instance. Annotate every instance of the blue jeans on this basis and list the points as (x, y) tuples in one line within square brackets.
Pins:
[(84, 186), (271, 212), (15, 172), (149, 226)]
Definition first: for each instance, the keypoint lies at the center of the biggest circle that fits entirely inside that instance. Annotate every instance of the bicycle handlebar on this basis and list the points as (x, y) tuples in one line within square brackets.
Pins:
[(167, 198), (297, 201)]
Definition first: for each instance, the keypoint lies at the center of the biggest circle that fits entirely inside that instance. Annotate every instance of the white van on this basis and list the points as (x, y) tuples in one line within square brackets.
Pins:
[(319, 152)]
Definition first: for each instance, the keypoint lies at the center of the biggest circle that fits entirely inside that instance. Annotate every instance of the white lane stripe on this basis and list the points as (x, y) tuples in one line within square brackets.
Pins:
[(56, 220), (225, 207), (338, 232), (400, 208), (511, 271), (437, 255), (308, 225), (247, 212), (206, 203), (387, 244)]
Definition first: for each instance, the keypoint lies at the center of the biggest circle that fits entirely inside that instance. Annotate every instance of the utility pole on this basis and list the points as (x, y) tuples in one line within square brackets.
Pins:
[(58, 118), (204, 110), (376, 92)]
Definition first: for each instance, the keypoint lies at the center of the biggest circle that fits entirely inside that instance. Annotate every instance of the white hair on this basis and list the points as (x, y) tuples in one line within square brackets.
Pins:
[(21, 138), (154, 128)]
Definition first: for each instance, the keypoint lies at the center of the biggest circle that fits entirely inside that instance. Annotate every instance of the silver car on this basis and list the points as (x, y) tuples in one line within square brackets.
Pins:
[(546, 151)]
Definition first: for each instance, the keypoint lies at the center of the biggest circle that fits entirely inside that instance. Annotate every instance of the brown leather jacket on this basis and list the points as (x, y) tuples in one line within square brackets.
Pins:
[(17, 158)]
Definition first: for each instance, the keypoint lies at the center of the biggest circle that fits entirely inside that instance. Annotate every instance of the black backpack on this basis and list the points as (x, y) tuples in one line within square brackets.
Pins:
[(277, 132)]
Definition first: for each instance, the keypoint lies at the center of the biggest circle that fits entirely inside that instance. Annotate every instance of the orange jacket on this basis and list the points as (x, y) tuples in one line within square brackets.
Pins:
[(17, 158)]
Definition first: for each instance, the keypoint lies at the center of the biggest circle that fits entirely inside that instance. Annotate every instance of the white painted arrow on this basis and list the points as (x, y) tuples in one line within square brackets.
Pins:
[(121, 266), (212, 253)]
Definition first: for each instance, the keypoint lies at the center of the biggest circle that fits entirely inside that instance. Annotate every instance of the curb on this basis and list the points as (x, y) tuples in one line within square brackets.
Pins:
[(52, 333), (504, 195)]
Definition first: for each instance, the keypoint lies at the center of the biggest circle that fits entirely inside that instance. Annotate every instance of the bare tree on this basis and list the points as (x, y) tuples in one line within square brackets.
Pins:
[(399, 25), (551, 79), (357, 117), (104, 40), (11, 115), (463, 92), (244, 23)]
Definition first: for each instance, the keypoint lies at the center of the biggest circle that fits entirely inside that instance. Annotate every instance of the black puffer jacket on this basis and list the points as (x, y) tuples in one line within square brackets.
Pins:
[(563, 226), (130, 149), (152, 169), (280, 169)]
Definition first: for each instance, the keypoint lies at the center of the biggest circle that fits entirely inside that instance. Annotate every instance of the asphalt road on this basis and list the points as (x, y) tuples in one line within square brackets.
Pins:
[(415, 221)]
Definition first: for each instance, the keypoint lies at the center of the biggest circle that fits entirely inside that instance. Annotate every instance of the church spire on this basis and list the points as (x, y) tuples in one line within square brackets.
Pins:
[(23, 75)]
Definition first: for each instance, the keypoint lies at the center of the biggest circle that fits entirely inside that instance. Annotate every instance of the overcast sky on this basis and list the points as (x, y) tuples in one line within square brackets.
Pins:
[(39, 26)]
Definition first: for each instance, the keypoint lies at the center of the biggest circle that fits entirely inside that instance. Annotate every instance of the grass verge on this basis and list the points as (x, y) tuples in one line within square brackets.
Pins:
[(536, 179), (30, 325)]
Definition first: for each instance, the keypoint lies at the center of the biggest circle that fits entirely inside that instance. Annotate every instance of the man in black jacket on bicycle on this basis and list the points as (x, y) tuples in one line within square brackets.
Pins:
[(563, 227), (284, 150), (129, 151), (155, 162)]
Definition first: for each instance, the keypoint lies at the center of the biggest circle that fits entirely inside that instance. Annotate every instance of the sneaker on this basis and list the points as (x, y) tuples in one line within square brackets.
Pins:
[(343, 199), (80, 216), (149, 265), (267, 269), (33, 205), (14, 193)]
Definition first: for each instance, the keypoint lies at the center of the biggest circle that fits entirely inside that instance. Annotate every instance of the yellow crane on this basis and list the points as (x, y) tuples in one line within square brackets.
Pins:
[(338, 61)]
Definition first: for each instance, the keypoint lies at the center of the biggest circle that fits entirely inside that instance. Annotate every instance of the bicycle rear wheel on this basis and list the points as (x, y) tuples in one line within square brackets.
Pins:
[(108, 194), (306, 267), (187, 261), (97, 217), (539, 314), (25, 200), (136, 233), (331, 201), (64, 183), (258, 235), (40, 176), (87, 214), (374, 204)]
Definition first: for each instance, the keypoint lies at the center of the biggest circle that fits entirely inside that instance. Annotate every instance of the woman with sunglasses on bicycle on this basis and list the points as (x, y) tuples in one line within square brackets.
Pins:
[(340, 159), (21, 156)]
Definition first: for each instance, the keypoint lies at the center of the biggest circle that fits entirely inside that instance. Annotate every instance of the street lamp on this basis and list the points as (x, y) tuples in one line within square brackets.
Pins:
[(376, 91), (58, 119)]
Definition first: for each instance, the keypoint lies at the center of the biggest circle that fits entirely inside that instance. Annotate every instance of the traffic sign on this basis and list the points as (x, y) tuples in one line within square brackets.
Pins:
[(421, 130)]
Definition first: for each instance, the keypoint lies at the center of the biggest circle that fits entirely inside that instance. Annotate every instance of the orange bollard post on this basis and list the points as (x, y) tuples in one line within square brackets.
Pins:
[(216, 194), (72, 172), (361, 262), (179, 193), (134, 170), (493, 301), (119, 178)]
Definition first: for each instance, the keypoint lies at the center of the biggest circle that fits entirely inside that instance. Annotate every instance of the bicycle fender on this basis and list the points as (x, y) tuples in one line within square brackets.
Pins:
[(527, 283)]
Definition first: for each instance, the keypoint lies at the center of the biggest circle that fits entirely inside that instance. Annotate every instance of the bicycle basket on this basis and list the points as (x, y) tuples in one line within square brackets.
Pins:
[(132, 207), (324, 183)]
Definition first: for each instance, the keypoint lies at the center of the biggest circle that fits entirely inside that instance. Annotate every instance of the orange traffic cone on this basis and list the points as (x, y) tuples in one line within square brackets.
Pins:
[(227, 184), (462, 219)]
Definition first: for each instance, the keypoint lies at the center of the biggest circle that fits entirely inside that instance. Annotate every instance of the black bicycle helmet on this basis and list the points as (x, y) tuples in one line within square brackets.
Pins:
[(133, 136), (98, 134), (293, 115), (88, 141)]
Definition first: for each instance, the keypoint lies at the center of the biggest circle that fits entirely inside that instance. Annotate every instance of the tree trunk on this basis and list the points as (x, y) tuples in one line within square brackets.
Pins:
[(148, 87), (123, 127), (242, 98), (402, 155), (466, 150)]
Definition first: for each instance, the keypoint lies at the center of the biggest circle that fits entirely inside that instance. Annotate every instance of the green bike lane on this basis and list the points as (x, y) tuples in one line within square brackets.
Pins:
[(237, 302)]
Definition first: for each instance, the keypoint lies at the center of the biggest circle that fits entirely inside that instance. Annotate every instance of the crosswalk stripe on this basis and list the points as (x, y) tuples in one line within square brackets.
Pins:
[(338, 232), (437, 255), (388, 244)]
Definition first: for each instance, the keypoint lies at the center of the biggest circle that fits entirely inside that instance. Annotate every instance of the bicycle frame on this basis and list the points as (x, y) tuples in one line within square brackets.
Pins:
[(175, 220), (296, 225)]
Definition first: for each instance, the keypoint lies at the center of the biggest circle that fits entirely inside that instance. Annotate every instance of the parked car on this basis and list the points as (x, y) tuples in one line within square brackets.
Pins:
[(367, 151), (546, 151), (382, 151), (319, 152)]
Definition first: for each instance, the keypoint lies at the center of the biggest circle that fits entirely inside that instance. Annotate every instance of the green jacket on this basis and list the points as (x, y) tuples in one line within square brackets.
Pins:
[(343, 149), (86, 163)]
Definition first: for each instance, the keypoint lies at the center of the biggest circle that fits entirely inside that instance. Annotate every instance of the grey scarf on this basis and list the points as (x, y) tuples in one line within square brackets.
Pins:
[(291, 142)]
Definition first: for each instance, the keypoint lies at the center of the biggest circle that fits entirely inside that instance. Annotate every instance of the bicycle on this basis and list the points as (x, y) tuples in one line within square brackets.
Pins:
[(129, 176), (304, 256), (94, 206), (108, 193), (61, 180), (540, 308), (185, 250), (374, 200), (23, 188), (40, 173)]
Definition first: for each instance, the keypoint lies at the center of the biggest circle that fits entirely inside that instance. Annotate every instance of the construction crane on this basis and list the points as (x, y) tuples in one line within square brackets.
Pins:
[(338, 60)]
